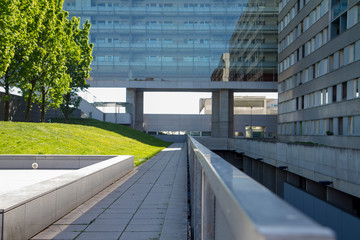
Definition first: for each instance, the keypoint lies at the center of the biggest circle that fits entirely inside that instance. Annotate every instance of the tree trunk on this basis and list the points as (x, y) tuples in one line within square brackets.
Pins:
[(66, 108), (43, 104), (28, 104), (7, 98)]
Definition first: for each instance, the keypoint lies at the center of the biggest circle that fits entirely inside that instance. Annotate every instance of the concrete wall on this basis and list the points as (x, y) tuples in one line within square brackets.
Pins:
[(49, 161), (325, 204), (202, 122), (172, 138), (18, 108), (90, 109), (29, 210), (177, 122), (317, 163)]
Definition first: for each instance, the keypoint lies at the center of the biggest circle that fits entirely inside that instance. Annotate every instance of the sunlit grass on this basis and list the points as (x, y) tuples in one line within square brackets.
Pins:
[(80, 137)]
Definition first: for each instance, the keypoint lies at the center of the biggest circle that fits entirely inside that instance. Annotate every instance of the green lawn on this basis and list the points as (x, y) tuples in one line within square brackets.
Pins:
[(79, 137)]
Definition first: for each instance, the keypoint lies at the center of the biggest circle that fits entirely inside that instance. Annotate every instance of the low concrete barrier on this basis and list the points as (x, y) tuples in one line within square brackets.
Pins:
[(228, 204), (49, 161), (27, 211)]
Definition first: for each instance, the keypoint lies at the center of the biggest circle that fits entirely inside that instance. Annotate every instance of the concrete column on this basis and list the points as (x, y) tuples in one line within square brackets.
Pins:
[(280, 179), (222, 124), (269, 177), (136, 99)]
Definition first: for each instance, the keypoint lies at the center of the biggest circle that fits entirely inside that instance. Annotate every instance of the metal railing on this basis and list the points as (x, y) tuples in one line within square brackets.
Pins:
[(228, 204)]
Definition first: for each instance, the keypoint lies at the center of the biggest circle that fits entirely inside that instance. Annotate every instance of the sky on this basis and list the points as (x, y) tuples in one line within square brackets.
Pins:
[(158, 102)]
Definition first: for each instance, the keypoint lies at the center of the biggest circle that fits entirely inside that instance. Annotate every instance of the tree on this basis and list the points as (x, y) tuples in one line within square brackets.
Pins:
[(8, 34), (79, 57), (44, 78), (9, 18), (57, 81), (23, 27)]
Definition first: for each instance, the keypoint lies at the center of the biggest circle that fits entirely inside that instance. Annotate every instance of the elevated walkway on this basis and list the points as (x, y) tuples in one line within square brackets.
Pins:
[(148, 203), (151, 202)]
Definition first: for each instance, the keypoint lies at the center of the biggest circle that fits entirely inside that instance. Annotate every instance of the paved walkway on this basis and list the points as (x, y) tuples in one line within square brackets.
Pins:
[(148, 203)]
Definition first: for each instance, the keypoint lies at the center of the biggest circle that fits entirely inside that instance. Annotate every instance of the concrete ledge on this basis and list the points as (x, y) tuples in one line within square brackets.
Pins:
[(49, 161), (317, 163), (27, 211)]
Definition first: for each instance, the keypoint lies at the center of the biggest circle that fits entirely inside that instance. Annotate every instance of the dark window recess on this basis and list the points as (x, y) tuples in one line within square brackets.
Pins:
[(297, 103), (344, 90), (302, 102), (334, 93), (340, 125), (331, 125)]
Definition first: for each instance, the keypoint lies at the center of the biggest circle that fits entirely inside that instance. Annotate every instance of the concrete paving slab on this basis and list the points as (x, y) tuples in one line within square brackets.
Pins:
[(140, 235), (148, 203)]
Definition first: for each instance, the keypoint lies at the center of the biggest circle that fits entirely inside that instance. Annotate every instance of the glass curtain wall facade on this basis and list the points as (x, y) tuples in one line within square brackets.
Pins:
[(253, 46), (159, 40), (253, 49)]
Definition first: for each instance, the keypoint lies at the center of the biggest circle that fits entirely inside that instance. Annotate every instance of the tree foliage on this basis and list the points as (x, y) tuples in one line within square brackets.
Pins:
[(9, 20), (47, 56), (79, 57), (26, 18)]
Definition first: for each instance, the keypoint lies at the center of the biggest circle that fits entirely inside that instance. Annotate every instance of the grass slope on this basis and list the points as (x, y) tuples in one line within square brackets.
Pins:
[(79, 137)]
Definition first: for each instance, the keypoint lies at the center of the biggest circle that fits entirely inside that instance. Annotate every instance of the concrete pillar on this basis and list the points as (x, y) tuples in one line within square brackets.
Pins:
[(136, 99), (280, 179), (222, 122), (269, 177)]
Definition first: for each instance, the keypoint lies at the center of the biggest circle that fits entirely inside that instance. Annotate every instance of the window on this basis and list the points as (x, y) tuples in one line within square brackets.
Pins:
[(357, 50), (351, 125), (340, 126), (331, 125), (344, 90), (302, 102), (349, 54), (352, 17), (326, 96), (334, 93), (167, 59), (341, 58)]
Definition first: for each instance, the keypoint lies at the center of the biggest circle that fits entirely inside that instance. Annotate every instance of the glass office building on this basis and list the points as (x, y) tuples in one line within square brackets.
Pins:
[(253, 47), (161, 40)]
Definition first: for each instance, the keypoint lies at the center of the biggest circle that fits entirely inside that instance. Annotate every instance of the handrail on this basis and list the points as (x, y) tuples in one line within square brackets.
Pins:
[(228, 204)]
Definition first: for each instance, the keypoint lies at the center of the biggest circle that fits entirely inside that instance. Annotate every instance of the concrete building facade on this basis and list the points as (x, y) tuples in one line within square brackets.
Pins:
[(319, 72)]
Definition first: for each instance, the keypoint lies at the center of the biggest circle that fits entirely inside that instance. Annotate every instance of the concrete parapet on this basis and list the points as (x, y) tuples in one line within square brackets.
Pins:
[(49, 161), (228, 204), (28, 210), (339, 166)]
